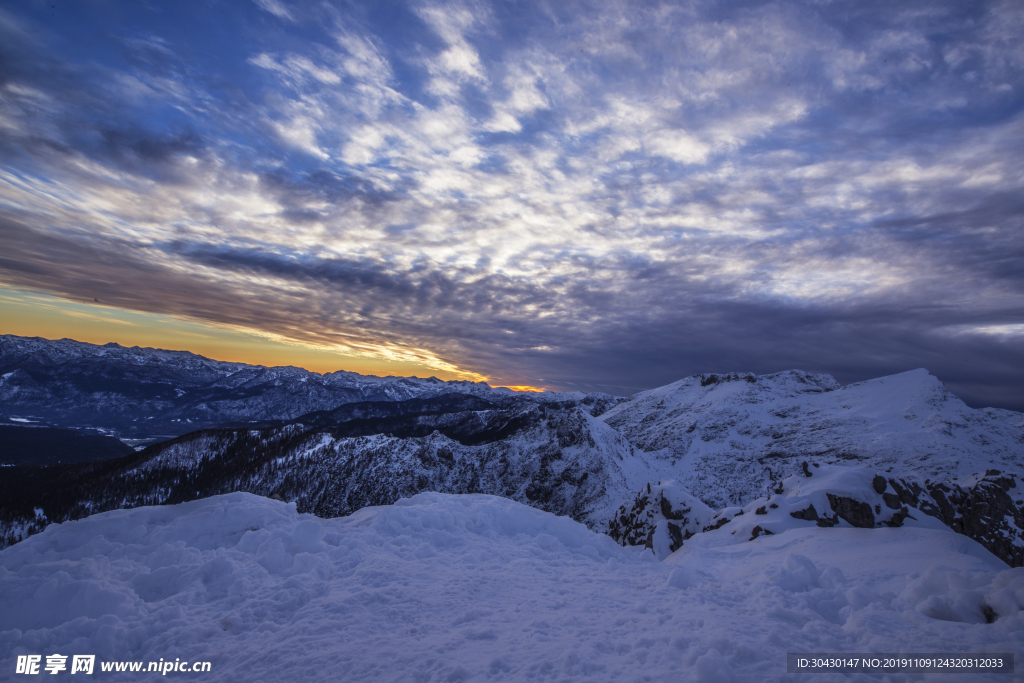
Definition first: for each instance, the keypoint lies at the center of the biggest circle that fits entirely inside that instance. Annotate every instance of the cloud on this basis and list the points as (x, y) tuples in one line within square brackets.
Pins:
[(459, 60), (277, 8), (582, 195)]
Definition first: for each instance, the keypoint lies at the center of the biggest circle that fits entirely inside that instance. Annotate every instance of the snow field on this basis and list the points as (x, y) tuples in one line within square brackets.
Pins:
[(478, 588)]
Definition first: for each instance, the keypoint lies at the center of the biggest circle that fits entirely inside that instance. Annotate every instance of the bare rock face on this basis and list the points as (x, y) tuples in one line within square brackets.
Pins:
[(855, 512), (808, 514), (987, 514)]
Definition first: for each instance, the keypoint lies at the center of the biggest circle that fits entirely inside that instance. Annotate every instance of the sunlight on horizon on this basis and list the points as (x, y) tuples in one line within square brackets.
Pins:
[(35, 314)]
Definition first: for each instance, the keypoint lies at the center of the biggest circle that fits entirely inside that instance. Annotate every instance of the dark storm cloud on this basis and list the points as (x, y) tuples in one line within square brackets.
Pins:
[(579, 195)]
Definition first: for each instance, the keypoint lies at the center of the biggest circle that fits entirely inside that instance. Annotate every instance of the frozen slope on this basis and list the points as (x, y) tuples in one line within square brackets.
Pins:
[(729, 437), (477, 588)]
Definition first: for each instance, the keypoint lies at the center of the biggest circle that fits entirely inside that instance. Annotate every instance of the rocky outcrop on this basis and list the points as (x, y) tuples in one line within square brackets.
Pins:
[(661, 517), (808, 514), (991, 511)]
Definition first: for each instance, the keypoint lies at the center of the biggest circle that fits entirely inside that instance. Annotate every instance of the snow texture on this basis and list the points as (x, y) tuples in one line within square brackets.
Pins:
[(477, 588)]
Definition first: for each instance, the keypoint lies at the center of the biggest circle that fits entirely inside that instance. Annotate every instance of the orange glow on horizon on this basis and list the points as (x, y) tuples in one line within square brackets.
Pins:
[(38, 314), (522, 387)]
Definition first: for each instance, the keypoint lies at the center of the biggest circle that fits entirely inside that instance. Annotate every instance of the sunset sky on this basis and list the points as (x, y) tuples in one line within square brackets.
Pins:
[(573, 195)]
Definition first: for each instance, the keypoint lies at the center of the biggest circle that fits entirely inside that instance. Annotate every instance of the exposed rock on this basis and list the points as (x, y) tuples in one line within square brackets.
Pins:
[(668, 512), (809, 514), (897, 518), (828, 521), (855, 512), (717, 524), (675, 534), (908, 493), (987, 512)]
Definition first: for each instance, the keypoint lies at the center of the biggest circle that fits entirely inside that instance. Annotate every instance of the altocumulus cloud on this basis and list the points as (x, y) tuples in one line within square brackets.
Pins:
[(592, 195)]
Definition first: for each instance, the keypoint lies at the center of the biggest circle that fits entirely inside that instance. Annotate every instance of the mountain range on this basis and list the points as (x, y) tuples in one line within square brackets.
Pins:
[(652, 469), (147, 394)]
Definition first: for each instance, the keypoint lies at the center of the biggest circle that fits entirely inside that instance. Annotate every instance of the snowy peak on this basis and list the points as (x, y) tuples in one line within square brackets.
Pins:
[(729, 436), (45, 352), (908, 393), (711, 389), (155, 394)]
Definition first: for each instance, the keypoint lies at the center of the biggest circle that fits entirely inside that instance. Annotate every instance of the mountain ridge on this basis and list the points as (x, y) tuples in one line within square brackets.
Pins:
[(153, 394)]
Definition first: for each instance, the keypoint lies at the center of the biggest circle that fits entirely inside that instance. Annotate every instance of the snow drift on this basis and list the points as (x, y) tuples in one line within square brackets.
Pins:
[(472, 587)]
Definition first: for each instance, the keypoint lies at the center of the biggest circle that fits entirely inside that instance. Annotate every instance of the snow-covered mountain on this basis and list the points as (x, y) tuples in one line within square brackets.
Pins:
[(142, 393), (729, 437), (733, 440)]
